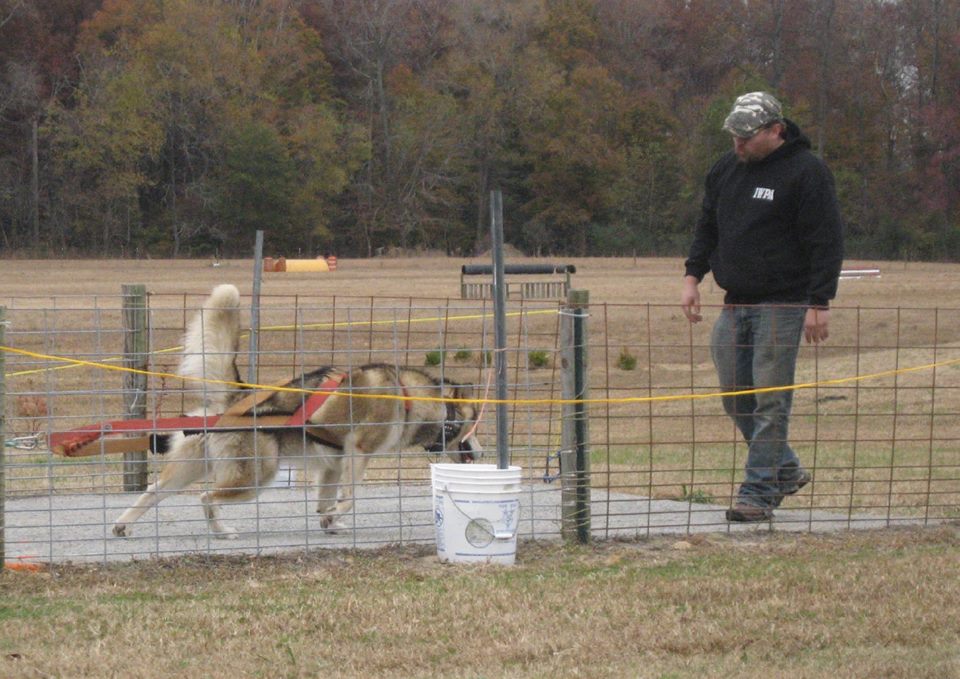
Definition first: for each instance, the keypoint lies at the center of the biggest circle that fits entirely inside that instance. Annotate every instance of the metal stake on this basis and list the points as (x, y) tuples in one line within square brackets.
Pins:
[(255, 308), (500, 326)]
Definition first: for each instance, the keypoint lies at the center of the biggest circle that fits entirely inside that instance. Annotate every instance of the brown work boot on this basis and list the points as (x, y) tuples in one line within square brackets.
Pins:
[(802, 478), (744, 513)]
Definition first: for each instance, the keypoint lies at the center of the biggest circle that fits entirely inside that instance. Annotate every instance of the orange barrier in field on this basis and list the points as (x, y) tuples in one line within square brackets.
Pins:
[(299, 265), (25, 566)]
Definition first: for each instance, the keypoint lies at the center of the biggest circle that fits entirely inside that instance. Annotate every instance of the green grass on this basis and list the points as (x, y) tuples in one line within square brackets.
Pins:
[(696, 495)]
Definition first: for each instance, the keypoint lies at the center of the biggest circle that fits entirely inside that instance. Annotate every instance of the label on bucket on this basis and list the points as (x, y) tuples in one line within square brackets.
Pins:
[(438, 521), (479, 532)]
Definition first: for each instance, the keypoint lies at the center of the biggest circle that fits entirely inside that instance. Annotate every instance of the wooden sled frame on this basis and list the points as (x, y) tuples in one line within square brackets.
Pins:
[(92, 439)]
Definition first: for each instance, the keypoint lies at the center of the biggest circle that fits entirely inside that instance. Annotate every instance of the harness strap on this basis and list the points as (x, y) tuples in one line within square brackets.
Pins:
[(318, 398), (250, 401), (407, 403), (315, 400), (311, 433)]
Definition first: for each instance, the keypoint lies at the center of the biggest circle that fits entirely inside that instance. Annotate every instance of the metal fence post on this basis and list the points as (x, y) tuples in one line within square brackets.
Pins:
[(500, 327), (3, 441), (135, 352), (575, 437), (254, 343)]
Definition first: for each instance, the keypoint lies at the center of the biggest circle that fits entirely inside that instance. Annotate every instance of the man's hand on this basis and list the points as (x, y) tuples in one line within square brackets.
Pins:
[(815, 325), (690, 299)]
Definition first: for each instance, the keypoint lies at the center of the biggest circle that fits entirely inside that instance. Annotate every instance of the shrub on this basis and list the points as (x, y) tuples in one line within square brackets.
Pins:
[(538, 358), (695, 495), (433, 358), (627, 361)]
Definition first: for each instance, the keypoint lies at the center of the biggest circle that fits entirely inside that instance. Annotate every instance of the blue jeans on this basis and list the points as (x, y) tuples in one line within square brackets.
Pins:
[(755, 347)]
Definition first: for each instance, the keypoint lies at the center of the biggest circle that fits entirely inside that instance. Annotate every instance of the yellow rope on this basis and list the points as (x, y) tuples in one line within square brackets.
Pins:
[(521, 401)]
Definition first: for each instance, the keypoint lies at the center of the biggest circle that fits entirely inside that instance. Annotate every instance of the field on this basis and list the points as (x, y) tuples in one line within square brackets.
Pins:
[(860, 605), (703, 606), (877, 425)]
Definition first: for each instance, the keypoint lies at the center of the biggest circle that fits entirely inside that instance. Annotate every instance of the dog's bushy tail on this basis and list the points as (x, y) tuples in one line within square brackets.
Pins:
[(210, 347)]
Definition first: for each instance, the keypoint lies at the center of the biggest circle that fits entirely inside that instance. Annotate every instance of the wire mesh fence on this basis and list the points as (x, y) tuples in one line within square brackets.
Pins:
[(874, 420)]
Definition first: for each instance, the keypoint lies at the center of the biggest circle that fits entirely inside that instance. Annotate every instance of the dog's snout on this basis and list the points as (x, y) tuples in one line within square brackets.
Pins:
[(470, 449)]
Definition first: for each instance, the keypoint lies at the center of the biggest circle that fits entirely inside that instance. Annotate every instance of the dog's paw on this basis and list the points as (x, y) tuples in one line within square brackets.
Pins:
[(121, 530), (332, 523), (226, 533)]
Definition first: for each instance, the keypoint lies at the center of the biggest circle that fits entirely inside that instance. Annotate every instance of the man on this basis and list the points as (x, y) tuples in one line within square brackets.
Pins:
[(770, 231)]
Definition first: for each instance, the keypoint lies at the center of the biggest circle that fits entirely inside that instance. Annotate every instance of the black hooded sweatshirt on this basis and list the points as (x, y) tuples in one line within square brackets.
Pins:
[(771, 230)]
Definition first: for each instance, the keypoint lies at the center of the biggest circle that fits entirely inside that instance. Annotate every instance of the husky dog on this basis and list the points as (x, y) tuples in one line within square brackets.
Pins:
[(339, 420)]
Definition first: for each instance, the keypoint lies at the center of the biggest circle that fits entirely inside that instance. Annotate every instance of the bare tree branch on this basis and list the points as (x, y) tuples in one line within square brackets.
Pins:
[(11, 12)]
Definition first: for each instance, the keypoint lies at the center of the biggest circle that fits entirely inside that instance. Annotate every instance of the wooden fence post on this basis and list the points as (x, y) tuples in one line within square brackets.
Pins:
[(135, 352), (575, 437)]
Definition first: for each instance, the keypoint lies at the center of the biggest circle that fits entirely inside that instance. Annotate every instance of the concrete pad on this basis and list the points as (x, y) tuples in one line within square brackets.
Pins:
[(77, 527)]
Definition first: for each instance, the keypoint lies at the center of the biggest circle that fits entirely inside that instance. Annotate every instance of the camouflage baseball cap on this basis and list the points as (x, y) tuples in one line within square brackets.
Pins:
[(752, 111)]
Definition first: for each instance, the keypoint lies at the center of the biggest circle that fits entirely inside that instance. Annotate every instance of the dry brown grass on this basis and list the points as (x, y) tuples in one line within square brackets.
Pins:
[(882, 604)]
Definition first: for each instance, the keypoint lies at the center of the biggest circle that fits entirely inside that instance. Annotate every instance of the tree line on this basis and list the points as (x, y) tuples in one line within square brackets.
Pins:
[(180, 127)]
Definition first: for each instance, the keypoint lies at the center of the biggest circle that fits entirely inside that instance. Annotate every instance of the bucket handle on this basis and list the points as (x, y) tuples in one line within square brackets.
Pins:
[(497, 535)]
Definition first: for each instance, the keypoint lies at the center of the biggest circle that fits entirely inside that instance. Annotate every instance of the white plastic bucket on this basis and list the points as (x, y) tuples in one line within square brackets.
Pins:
[(476, 509)]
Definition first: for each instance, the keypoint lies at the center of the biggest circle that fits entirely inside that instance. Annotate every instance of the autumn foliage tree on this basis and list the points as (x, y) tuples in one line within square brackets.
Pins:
[(197, 123), (180, 127)]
